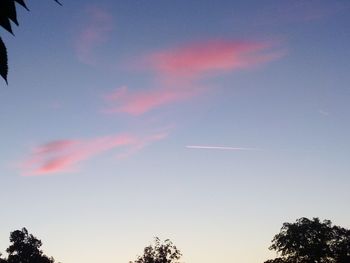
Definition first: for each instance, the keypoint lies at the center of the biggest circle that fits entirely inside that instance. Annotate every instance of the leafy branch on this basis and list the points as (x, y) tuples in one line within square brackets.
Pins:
[(8, 14)]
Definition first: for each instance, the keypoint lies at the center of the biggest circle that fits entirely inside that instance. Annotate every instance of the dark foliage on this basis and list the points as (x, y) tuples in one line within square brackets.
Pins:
[(311, 241), (3, 61), (25, 248), (164, 252), (8, 14)]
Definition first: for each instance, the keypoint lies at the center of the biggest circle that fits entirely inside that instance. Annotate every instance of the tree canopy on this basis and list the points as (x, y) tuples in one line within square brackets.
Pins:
[(311, 241), (25, 248), (160, 252), (2, 260), (8, 14)]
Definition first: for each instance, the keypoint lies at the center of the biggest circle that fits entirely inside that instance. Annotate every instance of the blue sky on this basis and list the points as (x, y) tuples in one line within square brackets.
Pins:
[(105, 96)]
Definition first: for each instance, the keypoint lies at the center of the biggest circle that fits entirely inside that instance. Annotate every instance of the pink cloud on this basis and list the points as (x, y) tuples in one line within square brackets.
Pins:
[(142, 144), (55, 105), (95, 33), (64, 155), (140, 102), (196, 60), (178, 70)]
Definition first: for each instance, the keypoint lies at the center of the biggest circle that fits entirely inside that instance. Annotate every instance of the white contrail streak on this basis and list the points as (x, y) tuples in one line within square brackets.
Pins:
[(220, 148)]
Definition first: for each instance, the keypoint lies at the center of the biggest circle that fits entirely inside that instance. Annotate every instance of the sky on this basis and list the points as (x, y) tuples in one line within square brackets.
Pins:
[(206, 122)]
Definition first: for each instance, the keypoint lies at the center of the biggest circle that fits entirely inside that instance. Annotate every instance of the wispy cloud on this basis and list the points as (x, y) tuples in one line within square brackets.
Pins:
[(314, 10), (178, 72), (286, 12), (96, 31), (228, 148), (196, 60), (64, 155), (324, 112), (124, 100)]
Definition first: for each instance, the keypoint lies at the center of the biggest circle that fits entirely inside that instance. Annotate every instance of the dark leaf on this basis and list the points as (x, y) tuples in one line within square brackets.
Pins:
[(22, 3), (11, 12), (58, 2), (3, 60), (5, 6)]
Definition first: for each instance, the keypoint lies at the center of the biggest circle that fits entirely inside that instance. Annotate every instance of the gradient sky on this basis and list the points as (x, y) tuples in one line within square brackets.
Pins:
[(207, 122)]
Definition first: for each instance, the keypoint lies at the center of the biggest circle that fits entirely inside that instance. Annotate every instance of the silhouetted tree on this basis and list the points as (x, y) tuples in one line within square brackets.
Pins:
[(311, 241), (8, 13), (25, 248), (164, 252)]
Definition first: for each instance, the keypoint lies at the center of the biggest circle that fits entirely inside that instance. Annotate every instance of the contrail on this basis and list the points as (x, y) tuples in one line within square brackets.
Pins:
[(221, 148)]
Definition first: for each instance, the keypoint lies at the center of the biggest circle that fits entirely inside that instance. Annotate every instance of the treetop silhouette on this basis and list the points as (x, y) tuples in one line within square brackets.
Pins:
[(160, 252), (311, 241), (305, 241), (25, 248)]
